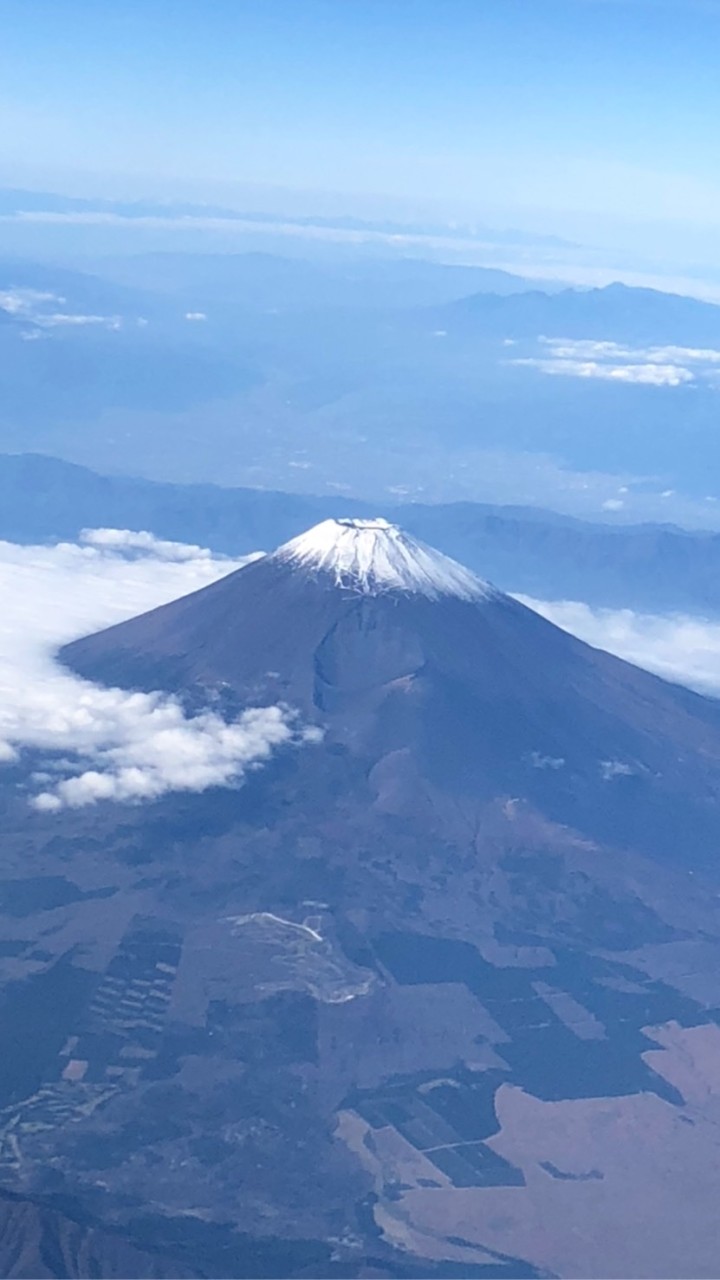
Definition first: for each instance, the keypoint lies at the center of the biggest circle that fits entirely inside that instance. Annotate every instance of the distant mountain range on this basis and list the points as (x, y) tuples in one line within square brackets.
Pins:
[(522, 549), (615, 313), (269, 282), (14, 201), (259, 369), (148, 283)]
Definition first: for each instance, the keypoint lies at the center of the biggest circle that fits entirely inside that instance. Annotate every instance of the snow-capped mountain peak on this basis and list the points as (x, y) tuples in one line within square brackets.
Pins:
[(372, 557)]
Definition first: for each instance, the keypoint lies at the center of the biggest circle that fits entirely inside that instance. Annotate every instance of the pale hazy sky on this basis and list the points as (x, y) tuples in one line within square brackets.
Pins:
[(600, 108)]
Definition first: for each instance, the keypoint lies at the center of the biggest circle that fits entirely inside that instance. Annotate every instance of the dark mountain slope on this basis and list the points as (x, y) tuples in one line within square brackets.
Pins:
[(37, 1241), (480, 691)]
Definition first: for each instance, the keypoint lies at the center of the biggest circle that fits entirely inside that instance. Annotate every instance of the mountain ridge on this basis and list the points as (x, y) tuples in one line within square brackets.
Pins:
[(526, 549)]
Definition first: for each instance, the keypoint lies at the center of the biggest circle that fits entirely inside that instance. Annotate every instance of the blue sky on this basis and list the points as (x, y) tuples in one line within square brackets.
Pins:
[(600, 109)]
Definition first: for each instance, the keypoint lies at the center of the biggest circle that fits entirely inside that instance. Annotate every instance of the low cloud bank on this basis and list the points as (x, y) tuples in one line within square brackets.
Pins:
[(144, 746), (683, 649), (108, 744)]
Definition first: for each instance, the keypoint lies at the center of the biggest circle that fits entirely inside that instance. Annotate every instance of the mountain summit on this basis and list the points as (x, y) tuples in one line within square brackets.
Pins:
[(349, 602), (373, 556)]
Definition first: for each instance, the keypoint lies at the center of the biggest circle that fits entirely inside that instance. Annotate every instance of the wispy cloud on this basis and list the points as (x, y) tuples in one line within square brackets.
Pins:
[(91, 743), (24, 302), (139, 542), (32, 305), (62, 319), (589, 349), (657, 366), (655, 375)]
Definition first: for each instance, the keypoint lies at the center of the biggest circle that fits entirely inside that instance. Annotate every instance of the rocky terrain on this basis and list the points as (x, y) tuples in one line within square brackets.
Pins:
[(433, 994)]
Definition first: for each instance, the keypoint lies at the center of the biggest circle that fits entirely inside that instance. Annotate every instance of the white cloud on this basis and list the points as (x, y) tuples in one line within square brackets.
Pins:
[(23, 302), (610, 769), (144, 746), (132, 541), (195, 315), (589, 349), (678, 647), (688, 355), (105, 743), (613, 504), (659, 366), (655, 375), (29, 304), (60, 319), (539, 761)]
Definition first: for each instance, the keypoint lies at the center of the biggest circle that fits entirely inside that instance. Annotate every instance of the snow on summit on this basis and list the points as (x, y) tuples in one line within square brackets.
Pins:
[(374, 556)]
